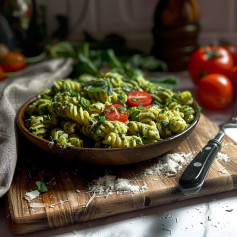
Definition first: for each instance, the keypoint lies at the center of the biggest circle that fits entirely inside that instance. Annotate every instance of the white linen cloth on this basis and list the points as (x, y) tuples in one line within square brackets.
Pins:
[(14, 92)]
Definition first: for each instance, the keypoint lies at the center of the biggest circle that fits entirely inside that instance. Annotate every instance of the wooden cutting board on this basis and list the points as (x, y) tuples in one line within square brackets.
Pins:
[(68, 184)]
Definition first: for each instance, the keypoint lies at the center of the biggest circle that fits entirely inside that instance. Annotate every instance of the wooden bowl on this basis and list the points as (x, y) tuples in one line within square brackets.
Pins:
[(102, 156)]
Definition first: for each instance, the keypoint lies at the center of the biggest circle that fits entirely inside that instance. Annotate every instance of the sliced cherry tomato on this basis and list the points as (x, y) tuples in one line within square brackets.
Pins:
[(215, 91), (136, 98), (13, 62), (1, 76), (208, 60), (116, 112), (232, 49)]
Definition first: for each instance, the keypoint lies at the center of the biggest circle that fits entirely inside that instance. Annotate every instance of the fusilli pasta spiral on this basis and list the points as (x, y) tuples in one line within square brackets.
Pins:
[(74, 112)]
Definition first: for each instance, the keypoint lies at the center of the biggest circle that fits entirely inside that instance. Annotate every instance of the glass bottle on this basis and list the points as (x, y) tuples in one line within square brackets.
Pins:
[(175, 32)]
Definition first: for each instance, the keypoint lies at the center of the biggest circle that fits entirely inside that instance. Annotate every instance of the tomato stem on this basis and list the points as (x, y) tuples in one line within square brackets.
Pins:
[(203, 74), (211, 53)]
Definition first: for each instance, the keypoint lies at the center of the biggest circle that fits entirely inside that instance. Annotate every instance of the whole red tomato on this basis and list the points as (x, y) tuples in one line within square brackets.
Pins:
[(232, 49), (1, 76), (215, 91), (209, 59), (13, 62), (233, 78)]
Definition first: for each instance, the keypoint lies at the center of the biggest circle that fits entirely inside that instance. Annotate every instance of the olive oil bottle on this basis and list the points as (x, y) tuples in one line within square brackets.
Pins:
[(175, 32)]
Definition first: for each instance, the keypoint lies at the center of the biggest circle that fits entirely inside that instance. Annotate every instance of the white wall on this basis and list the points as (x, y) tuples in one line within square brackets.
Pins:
[(133, 19)]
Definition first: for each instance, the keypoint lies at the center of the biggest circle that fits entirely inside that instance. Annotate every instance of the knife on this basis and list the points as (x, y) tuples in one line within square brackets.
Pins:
[(193, 177)]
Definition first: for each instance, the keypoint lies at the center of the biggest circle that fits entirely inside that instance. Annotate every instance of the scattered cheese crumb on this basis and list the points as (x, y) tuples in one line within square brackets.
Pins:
[(223, 171), (31, 195), (90, 200), (222, 157), (60, 202), (37, 205)]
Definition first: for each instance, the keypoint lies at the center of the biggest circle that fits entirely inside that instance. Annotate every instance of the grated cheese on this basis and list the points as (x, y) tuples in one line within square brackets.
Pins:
[(169, 164), (37, 205), (109, 184), (124, 185), (31, 195), (222, 157), (60, 202)]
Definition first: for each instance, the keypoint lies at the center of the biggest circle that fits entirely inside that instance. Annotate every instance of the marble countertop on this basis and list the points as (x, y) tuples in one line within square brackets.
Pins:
[(209, 216)]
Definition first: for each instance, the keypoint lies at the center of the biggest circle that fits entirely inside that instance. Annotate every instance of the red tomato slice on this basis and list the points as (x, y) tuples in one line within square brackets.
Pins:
[(136, 98), (116, 112)]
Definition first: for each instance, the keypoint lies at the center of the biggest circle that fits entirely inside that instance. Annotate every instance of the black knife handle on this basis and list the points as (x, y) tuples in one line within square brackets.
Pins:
[(194, 175)]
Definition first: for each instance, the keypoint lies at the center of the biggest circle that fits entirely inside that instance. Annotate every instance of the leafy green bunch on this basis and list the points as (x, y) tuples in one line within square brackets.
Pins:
[(94, 61)]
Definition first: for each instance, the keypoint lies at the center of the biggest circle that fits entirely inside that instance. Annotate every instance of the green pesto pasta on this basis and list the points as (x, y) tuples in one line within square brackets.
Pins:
[(73, 112), (118, 140)]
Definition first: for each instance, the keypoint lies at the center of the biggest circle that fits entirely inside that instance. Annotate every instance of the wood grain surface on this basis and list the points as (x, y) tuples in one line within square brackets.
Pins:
[(68, 182)]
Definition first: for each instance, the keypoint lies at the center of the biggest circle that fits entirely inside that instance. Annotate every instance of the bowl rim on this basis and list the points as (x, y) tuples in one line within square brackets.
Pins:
[(20, 123)]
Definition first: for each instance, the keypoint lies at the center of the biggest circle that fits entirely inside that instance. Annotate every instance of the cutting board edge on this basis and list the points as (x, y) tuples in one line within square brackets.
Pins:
[(21, 227)]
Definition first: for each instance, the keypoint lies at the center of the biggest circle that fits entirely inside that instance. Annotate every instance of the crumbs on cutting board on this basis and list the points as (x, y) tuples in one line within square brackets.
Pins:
[(167, 165), (222, 157), (30, 196), (109, 184)]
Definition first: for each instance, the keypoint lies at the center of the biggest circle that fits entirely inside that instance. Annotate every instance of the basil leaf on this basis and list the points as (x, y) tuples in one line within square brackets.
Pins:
[(167, 82), (85, 104), (141, 107), (99, 85), (134, 114), (102, 118), (84, 49), (96, 86), (112, 59), (88, 65), (109, 88), (42, 187), (150, 63), (144, 138), (136, 60), (62, 49)]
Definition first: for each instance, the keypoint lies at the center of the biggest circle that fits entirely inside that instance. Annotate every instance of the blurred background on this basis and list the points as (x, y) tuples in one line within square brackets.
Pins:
[(30, 24)]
